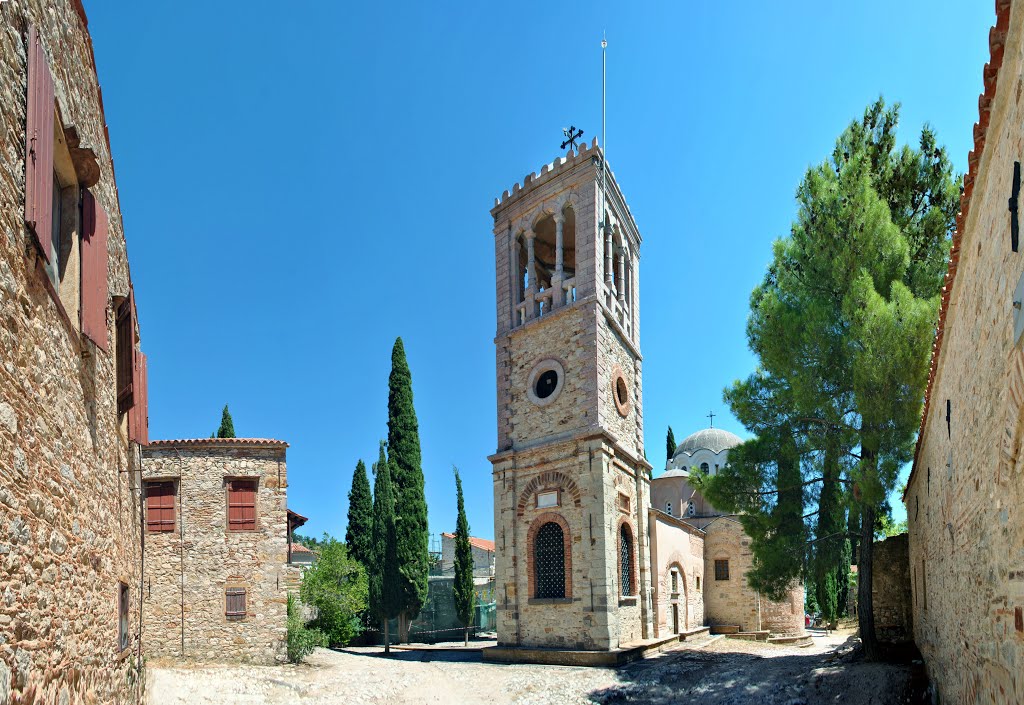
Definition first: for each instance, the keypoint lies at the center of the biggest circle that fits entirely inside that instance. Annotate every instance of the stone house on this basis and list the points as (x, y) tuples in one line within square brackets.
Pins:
[(483, 556), (216, 570), (965, 495), (73, 390)]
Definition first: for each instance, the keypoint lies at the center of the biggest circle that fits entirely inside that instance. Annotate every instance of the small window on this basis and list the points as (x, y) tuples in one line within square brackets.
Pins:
[(624, 503), (122, 616), (704, 467), (675, 581), (234, 603), (159, 506), (668, 508), (242, 505), (625, 560), (698, 583), (546, 384), (547, 499), (722, 569), (691, 509), (549, 562)]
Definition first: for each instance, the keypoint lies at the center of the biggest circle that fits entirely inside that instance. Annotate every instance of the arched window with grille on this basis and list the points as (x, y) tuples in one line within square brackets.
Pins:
[(549, 561), (625, 560)]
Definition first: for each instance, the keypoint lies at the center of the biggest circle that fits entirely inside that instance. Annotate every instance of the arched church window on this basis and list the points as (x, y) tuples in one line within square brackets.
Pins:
[(549, 561), (704, 467), (626, 560)]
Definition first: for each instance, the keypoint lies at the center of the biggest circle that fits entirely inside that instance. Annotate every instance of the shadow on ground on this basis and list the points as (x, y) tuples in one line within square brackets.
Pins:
[(727, 678)]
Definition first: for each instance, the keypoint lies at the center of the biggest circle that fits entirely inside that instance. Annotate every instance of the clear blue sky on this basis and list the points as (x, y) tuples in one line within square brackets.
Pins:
[(303, 182)]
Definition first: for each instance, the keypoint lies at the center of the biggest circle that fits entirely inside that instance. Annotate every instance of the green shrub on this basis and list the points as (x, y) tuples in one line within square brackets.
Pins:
[(336, 586), (301, 639)]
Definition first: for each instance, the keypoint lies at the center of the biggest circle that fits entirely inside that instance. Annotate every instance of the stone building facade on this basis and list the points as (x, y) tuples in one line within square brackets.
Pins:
[(728, 600), (965, 495), (890, 589), (678, 574), (481, 549), (216, 569), (72, 378), (571, 485)]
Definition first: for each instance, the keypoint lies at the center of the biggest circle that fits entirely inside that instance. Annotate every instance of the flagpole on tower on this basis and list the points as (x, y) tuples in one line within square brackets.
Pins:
[(604, 136)]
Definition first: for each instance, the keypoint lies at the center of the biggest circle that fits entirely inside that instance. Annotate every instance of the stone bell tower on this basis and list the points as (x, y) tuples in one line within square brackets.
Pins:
[(571, 485)]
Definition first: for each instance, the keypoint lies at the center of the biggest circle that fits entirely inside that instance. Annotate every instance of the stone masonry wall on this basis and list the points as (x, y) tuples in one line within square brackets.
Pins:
[(69, 511), (188, 570), (733, 601), (890, 589), (965, 496)]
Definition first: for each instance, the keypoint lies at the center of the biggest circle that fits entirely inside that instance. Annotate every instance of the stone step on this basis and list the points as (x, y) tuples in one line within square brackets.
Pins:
[(750, 636), (725, 629)]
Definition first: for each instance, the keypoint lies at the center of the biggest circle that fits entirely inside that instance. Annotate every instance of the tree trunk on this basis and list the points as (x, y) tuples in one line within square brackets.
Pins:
[(403, 628), (387, 636), (465, 636), (865, 607)]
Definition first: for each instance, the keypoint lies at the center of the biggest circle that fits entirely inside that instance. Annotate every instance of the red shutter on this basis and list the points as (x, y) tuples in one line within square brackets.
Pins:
[(94, 271), (242, 505), (160, 506), (138, 416), (39, 144), (125, 323)]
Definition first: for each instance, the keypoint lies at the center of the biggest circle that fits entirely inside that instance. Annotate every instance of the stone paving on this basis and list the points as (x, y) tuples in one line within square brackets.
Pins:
[(723, 671)]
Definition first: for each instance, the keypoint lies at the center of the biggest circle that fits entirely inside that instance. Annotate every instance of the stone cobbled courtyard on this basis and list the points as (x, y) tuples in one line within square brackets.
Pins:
[(721, 671)]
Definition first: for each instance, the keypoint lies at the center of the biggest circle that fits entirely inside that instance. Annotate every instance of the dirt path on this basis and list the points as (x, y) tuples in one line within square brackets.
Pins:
[(724, 672)]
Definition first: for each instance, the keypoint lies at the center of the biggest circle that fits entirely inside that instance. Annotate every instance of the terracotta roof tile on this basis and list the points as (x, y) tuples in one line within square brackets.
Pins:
[(996, 44), (299, 548), (482, 544), (218, 441)]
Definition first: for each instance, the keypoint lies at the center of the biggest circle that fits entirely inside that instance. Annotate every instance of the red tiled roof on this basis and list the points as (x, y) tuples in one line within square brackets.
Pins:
[(482, 544), (996, 45), (219, 441), (299, 548)]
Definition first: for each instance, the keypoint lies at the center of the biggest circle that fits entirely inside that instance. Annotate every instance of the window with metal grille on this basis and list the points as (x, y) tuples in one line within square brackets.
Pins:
[(722, 569), (125, 357), (234, 603), (626, 560), (242, 505), (159, 506), (549, 561), (122, 616), (675, 581)]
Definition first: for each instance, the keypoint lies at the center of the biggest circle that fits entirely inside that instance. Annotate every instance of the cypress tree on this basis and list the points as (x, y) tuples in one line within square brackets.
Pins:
[(360, 516), (406, 466), (385, 595), (670, 445), (227, 426), (465, 592)]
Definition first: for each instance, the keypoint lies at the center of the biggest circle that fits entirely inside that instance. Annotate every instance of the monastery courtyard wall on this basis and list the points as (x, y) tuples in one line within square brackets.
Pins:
[(965, 496)]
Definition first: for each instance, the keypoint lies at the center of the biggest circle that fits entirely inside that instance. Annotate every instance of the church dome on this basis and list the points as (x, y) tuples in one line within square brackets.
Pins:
[(713, 439)]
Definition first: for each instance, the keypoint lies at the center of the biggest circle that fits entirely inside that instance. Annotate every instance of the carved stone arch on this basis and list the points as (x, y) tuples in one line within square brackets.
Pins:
[(541, 212), (552, 479)]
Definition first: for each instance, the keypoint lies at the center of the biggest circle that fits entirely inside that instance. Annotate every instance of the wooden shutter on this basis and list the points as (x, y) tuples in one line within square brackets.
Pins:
[(242, 505), (39, 145), (138, 417), (125, 356), (234, 602), (160, 506), (94, 271)]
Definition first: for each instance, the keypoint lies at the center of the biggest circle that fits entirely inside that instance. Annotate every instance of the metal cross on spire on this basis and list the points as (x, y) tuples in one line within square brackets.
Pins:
[(711, 416), (572, 134)]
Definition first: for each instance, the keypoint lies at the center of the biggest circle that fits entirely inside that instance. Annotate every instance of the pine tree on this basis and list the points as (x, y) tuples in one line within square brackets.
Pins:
[(360, 516), (464, 589), (406, 464), (670, 445), (844, 321), (384, 588), (227, 426)]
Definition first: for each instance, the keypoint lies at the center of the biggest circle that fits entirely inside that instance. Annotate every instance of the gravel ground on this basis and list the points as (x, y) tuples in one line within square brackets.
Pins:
[(722, 672)]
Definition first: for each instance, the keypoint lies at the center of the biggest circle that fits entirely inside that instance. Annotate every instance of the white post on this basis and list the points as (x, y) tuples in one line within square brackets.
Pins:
[(558, 294)]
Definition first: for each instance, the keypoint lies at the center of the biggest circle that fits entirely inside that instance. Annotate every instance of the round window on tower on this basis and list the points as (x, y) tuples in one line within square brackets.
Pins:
[(620, 392), (545, 382)]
